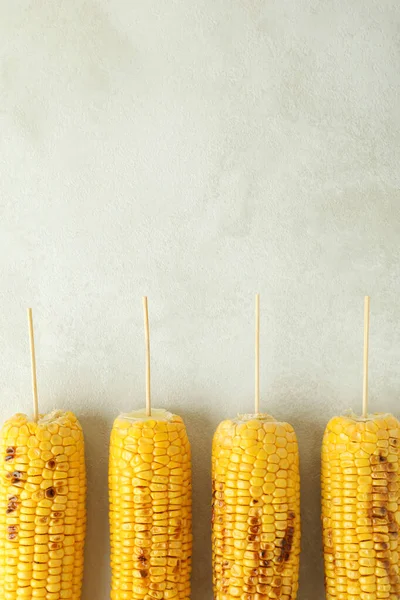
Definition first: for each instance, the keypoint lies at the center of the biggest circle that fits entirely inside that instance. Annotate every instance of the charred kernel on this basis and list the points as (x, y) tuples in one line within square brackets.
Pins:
[(50, 492), (12, 528)]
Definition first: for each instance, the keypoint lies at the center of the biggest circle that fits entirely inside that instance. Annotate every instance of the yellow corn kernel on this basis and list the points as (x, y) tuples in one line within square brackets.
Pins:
[(256, 509), (35, 559)]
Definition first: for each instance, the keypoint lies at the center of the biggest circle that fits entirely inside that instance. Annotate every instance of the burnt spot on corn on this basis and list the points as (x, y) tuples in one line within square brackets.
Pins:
[(142, 559), (16, 477), (379, 511), (50, 492), (286, 545), (393, 525), (177, 567), (51, 464), (265, 563), (277, 591), (329, 538), (254, 529), (10, 453), (11, 529), (391, 573), (58, 538), (144, 573), (384, 564), (225, 564), (266, 546), (12, 504), (177, 534), (224, 584), (382, 546)]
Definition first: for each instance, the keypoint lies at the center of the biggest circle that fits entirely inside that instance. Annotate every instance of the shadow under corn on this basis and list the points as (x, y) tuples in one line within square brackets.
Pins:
[(200, 430), (97, 561)]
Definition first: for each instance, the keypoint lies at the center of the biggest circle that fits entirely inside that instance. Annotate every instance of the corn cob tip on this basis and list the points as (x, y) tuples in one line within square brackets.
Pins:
[(157, 414)]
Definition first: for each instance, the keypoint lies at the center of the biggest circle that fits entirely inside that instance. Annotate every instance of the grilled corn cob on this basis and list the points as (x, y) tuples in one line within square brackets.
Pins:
[(256, 509), (42, 508), (361, 507), (150, 507)]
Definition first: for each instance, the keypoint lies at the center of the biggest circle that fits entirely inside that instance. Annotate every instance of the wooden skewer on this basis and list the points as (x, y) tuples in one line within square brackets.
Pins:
[(147, 339), (33, 366), (366, 348), (257, 357)]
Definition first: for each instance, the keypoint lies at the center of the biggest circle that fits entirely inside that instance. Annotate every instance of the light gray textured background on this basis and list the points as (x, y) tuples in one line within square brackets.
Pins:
[(199, 151)]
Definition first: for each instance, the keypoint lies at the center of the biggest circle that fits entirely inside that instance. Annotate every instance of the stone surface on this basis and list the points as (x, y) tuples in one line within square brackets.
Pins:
[(198, 152)]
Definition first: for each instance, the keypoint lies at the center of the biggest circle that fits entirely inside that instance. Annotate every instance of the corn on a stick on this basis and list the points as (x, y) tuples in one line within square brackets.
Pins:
[(42, 507), (360, 507), (42, 503), (256, 509), (361, 501), (150, 502), (255, 504), (150, 507)]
